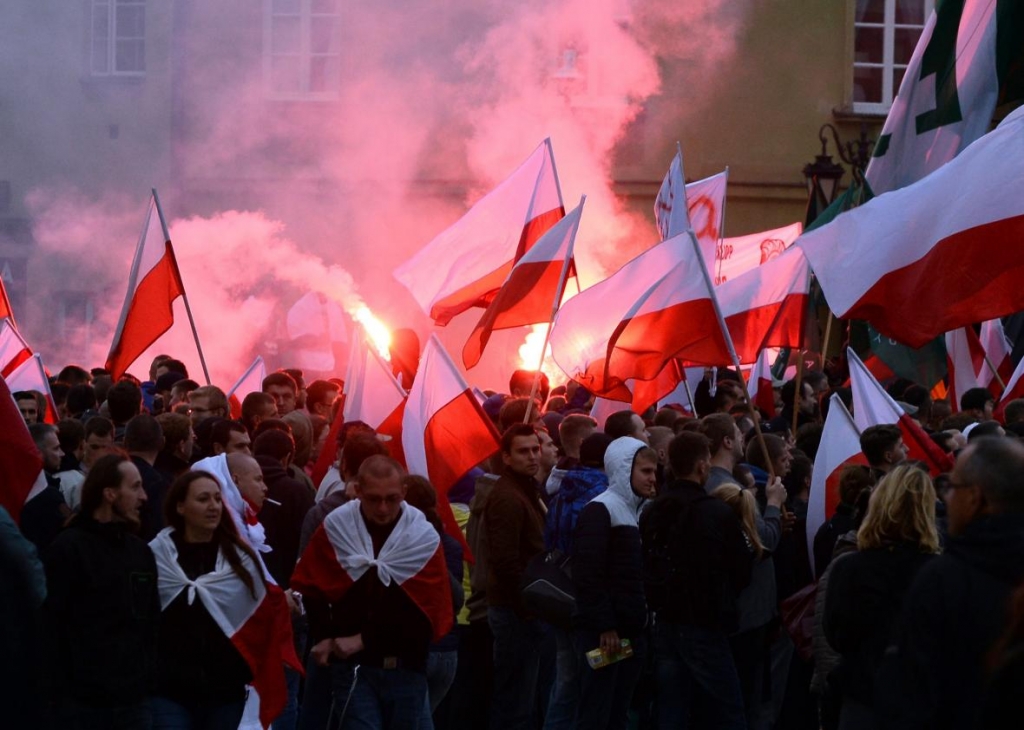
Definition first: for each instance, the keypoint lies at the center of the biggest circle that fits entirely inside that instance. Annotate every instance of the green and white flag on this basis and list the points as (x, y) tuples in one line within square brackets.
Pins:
[(958, 74)]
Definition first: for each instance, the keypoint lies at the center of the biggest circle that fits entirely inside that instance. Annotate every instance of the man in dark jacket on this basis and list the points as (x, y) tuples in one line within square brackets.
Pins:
[(102, 608), (933, 673), (513, 524), (607, 575), (696, 563), (144, 439), (44, 514)]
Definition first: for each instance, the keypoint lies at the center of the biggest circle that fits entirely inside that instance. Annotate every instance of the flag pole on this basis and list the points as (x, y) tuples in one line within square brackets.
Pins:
[(828, 333), (995, 373), (798, 390), (732, 353), (184, 296), (721, 228), (559, 291), (554, 170)]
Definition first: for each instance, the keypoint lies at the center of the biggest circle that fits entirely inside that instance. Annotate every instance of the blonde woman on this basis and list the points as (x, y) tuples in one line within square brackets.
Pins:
[(866, 588), (756, 605)]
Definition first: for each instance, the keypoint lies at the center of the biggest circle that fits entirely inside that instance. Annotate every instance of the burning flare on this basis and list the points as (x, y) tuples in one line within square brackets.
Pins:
[(529, 354), (378, 332)]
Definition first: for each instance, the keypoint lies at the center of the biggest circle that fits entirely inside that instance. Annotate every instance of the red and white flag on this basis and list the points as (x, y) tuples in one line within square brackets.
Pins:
[(466, 264), (373, 396), (670, 214), (767, 306), (762, 385), (998, 349), (705, 206), (341, 551), (738, 255), (259, 627), (445, 432), (840, 446), (1014, 390), (153, 284), (5, 303), (872, 406), (965, 358), (939, 254), (655, 309), (13, 349), (31, 375), (250, 382), (21, 464), (532, 289)]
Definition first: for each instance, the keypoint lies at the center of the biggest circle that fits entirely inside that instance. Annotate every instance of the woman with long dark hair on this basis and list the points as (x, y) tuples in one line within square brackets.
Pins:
[(204, 567)]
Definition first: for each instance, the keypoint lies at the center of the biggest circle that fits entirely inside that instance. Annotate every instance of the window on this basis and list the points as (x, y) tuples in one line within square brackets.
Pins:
[(118, 37), (302, 57), (885, 33)]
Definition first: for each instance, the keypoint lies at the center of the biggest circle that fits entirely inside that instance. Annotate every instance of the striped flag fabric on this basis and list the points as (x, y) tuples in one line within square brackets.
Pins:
[(998, 349), (373, 396), (762, 385), (1014, 390), (14, 351), (965, 357), (464, 265), (740, 254), (21, 464), (251, 381)]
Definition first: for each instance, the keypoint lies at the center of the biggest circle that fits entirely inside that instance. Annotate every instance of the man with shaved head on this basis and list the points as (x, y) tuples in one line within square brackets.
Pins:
[(248, 477)]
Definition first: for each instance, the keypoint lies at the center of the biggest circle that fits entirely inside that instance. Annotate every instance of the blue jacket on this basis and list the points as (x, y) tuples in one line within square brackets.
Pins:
[(579, 486)]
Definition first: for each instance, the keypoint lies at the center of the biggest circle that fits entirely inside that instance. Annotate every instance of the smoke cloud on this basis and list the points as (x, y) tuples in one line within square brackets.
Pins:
[(271, 199)]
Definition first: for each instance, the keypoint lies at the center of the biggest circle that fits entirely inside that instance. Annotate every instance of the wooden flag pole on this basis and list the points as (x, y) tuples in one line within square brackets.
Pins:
[(559, 291), (798, 391), (995, 373)]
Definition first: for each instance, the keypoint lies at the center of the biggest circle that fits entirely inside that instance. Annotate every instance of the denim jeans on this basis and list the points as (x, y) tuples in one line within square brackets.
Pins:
[(517, 644), (565, 697), (316, 697), (605, 693), (694, 671), (171, 715), (441, 667), (368, 698)]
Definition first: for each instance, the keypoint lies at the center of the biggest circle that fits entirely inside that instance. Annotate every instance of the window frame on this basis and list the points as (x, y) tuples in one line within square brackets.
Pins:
[(888, 64), (111, 41), (305, 54)]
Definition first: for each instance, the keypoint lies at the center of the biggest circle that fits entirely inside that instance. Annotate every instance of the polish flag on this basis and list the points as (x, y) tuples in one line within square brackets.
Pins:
[(1014, 389), (705, 206), (965, 358), (840, 446), (31, 375), (5, 304), (21, 464), (939, 254), (738, 255), (761, 384), (872, 406), (258, 627), (767, 306), (445, 432), (13, 349), (341, 552), (153, 284), (532, 289), (373, 396), (250, 382), (670, 213), (603, 407), (998, 349), (656, 308), (466, 264)]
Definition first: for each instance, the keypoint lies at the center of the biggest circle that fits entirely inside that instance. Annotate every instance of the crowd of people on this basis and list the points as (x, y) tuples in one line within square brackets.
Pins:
[(651, 571)]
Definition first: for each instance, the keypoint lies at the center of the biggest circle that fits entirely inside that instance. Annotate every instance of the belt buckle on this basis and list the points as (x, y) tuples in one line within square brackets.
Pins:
[(390, 662)]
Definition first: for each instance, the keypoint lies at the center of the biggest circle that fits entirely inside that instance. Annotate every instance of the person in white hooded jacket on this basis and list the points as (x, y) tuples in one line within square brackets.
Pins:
[(607, 573)]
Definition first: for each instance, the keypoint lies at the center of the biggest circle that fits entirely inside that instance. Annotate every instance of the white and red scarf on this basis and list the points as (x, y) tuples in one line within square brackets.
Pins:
[(259, 628), (341, 551)]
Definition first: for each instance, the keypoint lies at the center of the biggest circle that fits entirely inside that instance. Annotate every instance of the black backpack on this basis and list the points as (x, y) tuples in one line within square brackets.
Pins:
[(547, 588)]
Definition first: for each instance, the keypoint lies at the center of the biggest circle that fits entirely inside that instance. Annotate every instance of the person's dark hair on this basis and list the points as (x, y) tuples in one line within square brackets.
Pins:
[(104, 473), (253, 405), (71, 434), (717, 427), (728, 390), (854, 479), (943, 439), (619, 424), (275, 444), (776, 446), (984, 429), (59, 391), (319, 424), (317, 392), (271, 424), (174, 366), (800, 469), (352, 428), (686, 423), (514, 411), (593, 448), (808, 438), (523, 380), (667, 416), (81, 398), (186, 385), (919, 397), (280, 378), (39, 431), (222, 430), (99, 426), (420, 493), (1013, 412), (225, 534), (143, 434), (359, 447), (296, 375), (74, 375), (101, 385), (975, 399), (876, 440), (995, 465), (685, 450), (513, 432), (176, 429), (124, 401), (788, 392), (815, 379), (574, 425)]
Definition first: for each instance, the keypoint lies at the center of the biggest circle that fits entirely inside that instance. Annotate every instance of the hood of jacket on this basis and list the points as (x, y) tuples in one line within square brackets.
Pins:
[(618, 465)]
